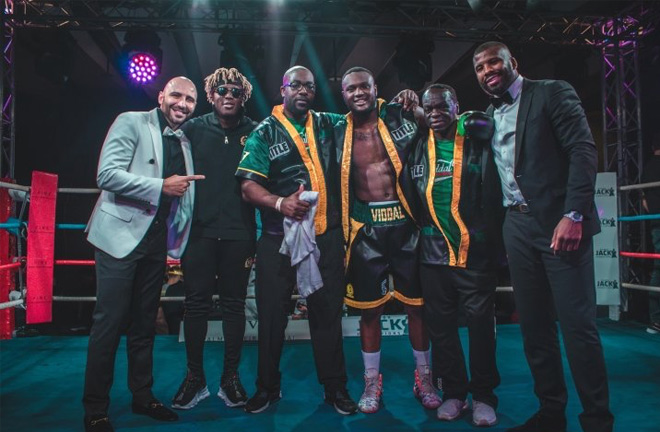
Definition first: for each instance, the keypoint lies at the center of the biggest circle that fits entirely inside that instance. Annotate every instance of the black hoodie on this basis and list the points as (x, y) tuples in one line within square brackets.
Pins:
[(219, 210)]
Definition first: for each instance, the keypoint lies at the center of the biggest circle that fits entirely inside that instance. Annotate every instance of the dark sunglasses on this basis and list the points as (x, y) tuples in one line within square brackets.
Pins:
[(235, 92)]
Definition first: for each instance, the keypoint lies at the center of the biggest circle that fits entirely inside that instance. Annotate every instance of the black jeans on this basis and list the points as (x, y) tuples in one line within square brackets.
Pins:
[(445, 290), (211, 265), (128, 292), (274, 286), (547, 288)]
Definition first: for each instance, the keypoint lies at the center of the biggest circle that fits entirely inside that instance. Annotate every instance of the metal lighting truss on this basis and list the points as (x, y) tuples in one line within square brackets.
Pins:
[(447, 19), (7, 93), (622, 130)]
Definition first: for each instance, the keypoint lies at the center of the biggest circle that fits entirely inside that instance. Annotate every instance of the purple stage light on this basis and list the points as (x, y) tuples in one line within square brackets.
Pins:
[(142, 68), (624, 30)]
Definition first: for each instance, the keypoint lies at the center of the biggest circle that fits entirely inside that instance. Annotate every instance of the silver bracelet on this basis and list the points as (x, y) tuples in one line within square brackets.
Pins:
[(278, 204)]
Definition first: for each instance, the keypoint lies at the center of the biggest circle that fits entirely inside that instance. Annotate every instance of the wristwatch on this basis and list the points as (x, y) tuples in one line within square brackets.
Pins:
[(575, 216)]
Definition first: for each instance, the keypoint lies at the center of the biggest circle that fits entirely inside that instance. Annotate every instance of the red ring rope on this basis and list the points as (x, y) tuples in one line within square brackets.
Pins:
[(640, 255), (10, 266), (92, 262)]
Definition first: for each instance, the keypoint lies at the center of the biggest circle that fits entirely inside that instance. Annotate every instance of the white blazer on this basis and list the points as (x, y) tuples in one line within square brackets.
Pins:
[(130, 175)]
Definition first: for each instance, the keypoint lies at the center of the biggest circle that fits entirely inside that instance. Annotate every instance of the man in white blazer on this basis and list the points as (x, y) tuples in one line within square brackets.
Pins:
[(146, 178)]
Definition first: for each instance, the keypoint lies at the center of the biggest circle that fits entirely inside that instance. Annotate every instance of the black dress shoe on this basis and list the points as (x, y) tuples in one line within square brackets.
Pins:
[(155, 410), (341, 400), (541, 422), (98, 423)]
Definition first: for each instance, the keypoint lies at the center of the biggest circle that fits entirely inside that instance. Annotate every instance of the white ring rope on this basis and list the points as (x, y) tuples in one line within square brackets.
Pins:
[(173, 298), (640, 287), (7, 305), (639, 186)]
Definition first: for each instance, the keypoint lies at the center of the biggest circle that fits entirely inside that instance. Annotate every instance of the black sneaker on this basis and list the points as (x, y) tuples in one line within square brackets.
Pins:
[(342, 401), (653, 328), (193, 389), (261, 400), (98, 423), (231, 390)]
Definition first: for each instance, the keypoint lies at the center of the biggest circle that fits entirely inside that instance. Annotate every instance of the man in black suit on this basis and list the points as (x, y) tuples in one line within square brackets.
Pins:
[(547, 160)]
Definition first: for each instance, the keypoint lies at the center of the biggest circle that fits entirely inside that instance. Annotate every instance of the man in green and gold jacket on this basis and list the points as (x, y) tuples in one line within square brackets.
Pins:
[(461, 249), (290, 152)]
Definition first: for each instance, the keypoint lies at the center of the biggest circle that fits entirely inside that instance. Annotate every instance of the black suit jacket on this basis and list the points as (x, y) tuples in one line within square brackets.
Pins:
[(556, 158)]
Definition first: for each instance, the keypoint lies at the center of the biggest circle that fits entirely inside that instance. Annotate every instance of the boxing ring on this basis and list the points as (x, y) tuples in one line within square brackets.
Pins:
[(54, 365), (26, 279), (640, 218)]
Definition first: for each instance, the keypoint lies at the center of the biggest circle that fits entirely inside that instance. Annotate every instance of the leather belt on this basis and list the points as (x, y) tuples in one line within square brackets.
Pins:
[(520, 208)]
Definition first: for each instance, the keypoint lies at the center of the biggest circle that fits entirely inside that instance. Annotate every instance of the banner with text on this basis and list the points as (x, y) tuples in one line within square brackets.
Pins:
[(606, 244), (298, 329)]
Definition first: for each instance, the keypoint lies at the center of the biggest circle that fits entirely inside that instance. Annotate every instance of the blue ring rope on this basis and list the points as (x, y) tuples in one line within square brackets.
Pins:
[(15, 225), (640, 217)]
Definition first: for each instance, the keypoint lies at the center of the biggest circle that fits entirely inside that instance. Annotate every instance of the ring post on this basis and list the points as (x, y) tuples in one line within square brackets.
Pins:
[(6, 276), (41, 248)]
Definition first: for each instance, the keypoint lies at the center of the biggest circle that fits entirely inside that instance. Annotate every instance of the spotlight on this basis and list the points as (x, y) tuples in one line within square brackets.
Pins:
[(142, 68), (141, 57)]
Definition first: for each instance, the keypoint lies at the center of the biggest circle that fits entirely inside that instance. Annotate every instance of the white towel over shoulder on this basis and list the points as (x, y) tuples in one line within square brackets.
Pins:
[(300, 244)]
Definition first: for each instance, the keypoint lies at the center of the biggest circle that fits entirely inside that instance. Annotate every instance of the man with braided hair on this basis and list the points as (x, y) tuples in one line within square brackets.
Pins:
[(222, 239)]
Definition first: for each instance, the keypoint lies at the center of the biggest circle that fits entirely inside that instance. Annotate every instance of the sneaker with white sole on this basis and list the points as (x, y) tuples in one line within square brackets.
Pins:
[(653, 328), (193, 389), (451, 409), (373, 390), (231, 390), (424, 391), (483, 414)]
